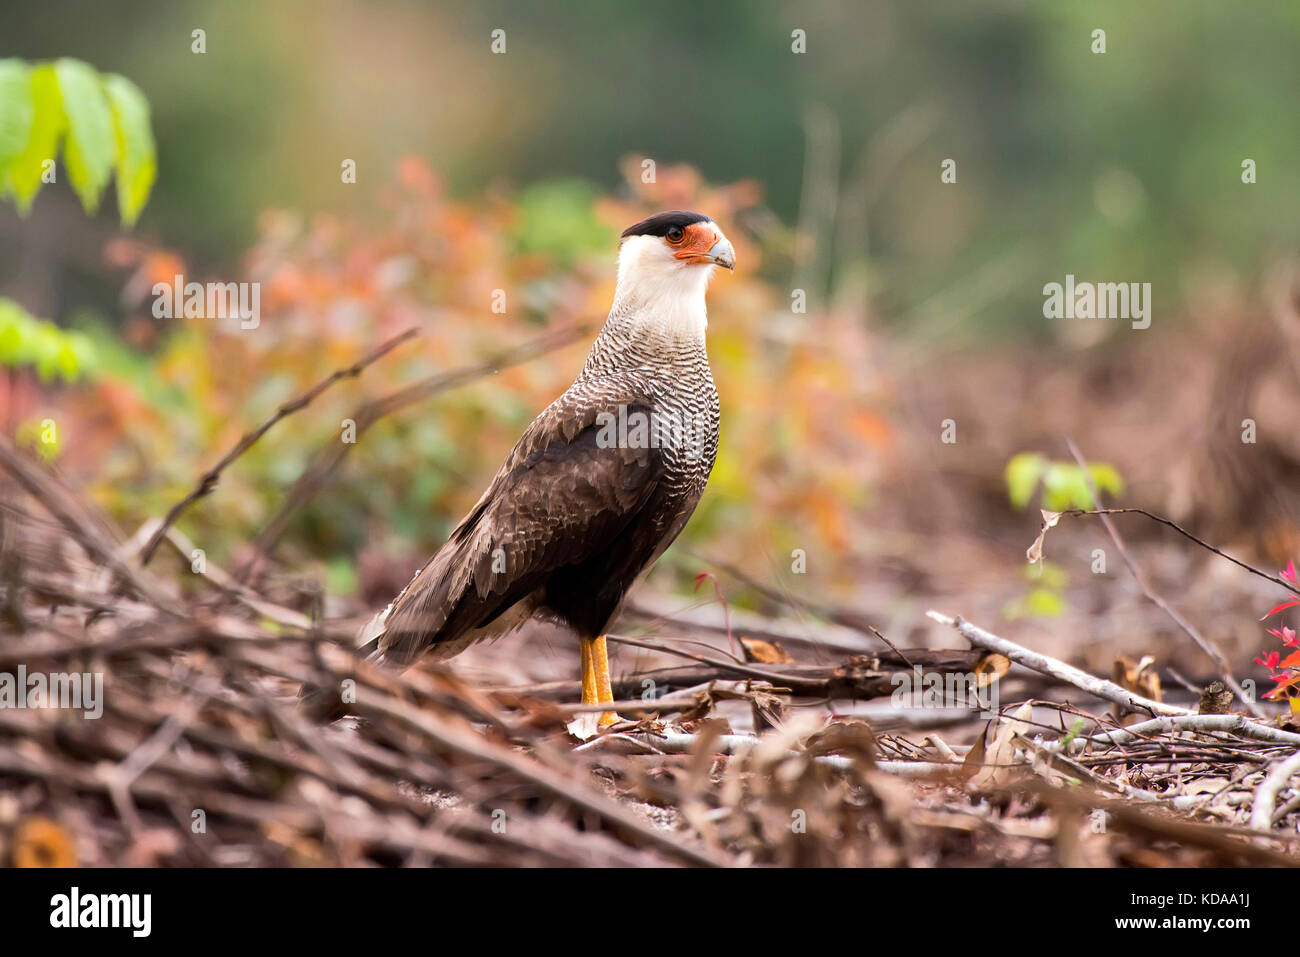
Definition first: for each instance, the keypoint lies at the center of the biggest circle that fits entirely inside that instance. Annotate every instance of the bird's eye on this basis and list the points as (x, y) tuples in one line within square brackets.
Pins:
[(675, 234)]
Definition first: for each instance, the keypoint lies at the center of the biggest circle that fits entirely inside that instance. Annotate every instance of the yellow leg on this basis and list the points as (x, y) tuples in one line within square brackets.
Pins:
[(596, 687)]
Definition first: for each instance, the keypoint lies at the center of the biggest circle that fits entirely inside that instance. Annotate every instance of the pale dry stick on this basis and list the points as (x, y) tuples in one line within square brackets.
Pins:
[(1211, 651), (942, 746), (1045, 664), (1073, 767), (208, 481), (746, 689), (1261, 811), (1230, 723), (1182, 802), (1281, 813)]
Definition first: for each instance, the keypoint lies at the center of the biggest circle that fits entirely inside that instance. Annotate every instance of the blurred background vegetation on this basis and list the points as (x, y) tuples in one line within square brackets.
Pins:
[(478, 171), (1125, 164)]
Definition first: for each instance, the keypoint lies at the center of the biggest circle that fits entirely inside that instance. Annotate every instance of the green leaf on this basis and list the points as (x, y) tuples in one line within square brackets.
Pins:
[(137, 157), (1022, 474), (25, 341), (15, 333), (1046, 574), (1065, 485), (1039, 603), (1106, 478), (47, 345), (89, 148), (557, 218), (84, 353), (16, 110), (48, 123)]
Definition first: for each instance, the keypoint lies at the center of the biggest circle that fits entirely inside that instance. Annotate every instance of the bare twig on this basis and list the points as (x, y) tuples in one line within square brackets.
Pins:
[(329, 456), (209, 479), (1131, 510), (1211, 651)]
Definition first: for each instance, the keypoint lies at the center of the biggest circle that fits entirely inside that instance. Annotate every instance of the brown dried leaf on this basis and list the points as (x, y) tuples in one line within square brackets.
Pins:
[(1034, 553), (766, 652), (41, 842), (1140, 677), (1000, 756), (990, 668)]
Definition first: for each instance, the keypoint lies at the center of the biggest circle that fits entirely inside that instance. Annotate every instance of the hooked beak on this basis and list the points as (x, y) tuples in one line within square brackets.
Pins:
[(721, 254), (703, 244)]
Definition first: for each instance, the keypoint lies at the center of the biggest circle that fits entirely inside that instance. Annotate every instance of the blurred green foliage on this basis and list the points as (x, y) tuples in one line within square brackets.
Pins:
[(54, 353), (1064, 484), (1045, 597), (557, 219), (102, 122), (1120, 166)]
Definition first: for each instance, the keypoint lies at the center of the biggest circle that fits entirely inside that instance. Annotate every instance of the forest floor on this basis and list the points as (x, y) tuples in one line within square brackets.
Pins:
[(790, 739)]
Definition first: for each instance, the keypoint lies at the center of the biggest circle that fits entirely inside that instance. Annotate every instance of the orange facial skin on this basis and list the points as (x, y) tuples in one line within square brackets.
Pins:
[(697, 239)]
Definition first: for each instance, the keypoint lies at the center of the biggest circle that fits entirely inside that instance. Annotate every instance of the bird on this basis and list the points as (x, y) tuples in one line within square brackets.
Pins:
[(598, 486)]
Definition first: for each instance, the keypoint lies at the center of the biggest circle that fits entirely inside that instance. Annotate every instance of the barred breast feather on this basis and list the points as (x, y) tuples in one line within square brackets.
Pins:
[(570, 520)]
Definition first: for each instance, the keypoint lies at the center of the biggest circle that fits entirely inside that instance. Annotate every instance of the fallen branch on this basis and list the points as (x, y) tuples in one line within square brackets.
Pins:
[(1098, 687), (1261, 811), (848, 680), (1227, 723)]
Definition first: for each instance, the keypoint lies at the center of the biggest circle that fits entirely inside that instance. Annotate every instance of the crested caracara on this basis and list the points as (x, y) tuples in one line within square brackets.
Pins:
[(601, 482)]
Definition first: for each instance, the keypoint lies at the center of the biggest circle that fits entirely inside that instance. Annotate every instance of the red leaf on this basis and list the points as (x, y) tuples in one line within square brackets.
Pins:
[(1286, 634), (1290, 661), (1287, 682), (1269, 661), (1285, 604), (1289, 573)]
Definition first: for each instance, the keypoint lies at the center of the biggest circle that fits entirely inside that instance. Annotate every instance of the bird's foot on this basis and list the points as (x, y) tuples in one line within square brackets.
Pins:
[(596, 689)]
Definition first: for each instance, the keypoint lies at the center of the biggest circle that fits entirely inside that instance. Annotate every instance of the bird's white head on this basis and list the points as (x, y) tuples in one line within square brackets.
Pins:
[(664, 266)]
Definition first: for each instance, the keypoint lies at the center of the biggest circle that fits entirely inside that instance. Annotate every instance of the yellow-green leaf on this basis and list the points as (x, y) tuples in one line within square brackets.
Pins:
[(25, 170), (16, 109), (89, 147), (1022, 474), (1106, 478), (136, 154)]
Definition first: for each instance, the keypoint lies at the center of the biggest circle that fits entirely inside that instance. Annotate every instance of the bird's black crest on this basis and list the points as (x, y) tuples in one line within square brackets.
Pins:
[(660, 223)]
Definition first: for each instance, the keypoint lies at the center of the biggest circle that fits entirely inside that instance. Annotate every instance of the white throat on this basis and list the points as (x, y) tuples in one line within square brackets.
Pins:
[(658, 295)]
